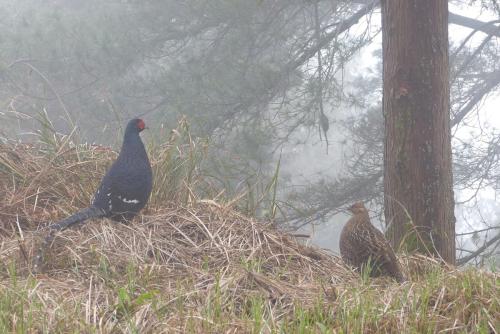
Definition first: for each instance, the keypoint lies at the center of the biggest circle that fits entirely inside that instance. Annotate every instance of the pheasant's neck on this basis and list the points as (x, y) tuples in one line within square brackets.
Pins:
[(133, 147), (364, 218)]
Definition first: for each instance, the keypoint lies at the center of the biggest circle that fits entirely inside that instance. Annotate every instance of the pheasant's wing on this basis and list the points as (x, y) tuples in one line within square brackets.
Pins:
[(387, 261), (123, 190), (357, 246), (103, 194)]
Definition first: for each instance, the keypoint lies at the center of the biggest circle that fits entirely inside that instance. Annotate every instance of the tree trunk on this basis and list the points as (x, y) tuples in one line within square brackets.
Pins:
[(417, 158)]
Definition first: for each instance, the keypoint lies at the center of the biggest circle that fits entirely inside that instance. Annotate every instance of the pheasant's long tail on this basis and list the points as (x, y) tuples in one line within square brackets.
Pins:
[(79, 217)]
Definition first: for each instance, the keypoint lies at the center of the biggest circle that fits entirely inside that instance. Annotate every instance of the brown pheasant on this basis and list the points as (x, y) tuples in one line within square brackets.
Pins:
[(361, 242)]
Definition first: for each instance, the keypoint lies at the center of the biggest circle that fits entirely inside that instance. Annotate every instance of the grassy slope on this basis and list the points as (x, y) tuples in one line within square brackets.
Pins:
[(167, 275), (198, 266)]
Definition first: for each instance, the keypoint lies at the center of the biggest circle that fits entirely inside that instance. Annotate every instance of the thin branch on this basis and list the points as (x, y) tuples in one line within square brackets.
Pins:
[(473, 55), (323, 120), (464, 21), (327, 38), (478, 231), (492, 82), (487, 27), (478, 251), (49, 83)]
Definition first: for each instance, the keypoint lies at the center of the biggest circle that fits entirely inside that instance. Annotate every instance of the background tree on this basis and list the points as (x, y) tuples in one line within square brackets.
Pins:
[(417, 161), (247, 76), (474, 79)]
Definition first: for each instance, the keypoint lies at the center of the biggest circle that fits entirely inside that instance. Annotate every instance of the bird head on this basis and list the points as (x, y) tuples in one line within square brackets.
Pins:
[(358, 208), (135, 125)]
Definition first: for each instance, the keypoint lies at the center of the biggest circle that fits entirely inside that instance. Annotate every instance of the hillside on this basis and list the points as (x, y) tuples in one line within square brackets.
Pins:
[(191, 264)]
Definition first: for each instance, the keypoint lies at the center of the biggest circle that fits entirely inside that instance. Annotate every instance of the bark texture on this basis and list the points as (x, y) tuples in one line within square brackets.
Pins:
[(417, 158)]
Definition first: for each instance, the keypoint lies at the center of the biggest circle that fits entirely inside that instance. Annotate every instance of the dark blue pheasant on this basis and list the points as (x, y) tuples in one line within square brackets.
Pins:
[(126, 187), (123, 191)]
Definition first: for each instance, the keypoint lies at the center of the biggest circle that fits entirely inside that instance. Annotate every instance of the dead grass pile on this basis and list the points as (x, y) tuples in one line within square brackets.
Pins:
[(39, 184), (206, 268), (193, 242), (53, 178), (181, 253), (197, 265)]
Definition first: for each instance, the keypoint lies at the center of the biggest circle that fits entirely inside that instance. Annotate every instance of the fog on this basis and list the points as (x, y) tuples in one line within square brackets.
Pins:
[(247, 75)]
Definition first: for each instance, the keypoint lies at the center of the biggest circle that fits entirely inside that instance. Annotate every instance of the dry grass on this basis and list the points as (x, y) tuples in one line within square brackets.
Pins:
[(181, 254), (192, 265), (39, 185)]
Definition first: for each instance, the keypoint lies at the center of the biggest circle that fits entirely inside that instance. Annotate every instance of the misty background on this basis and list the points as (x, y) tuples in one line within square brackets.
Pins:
[(286, 92)]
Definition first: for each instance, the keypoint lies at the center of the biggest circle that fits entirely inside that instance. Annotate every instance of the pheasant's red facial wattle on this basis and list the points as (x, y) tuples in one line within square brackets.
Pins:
[(141, 125)]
